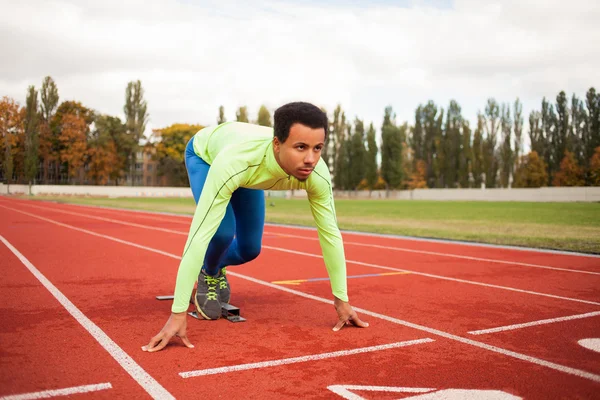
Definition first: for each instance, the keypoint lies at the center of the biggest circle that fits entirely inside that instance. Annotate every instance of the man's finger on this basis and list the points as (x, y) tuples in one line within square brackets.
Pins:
[(186, 341), (339, 325), (152, 343), (358, 322), (161, 345)]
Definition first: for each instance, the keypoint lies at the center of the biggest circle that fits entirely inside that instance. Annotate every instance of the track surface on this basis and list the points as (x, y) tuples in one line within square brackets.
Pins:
[(447, 320)]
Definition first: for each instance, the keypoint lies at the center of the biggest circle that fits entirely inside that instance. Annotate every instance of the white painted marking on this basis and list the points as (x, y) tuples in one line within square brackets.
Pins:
[(519, 356), (490, 260), (345, 390), (346, 232), (58, 392), (435, 253), (320, 256), (535, 323), (590, 344), (114, 221), (285, 361), (148, 383), (446, 394), (437, 276)]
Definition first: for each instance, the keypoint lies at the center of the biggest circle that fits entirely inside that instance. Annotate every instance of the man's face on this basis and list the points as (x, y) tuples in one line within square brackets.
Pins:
[(300, 153)]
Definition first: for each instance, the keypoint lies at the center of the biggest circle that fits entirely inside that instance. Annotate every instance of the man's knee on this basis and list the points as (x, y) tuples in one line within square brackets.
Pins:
[(250, 252)]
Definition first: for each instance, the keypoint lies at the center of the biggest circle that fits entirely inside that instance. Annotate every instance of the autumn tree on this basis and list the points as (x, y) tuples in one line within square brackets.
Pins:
[(11, 128), (417, 178), (170, 151), (594, 171), (532, 172), (73, 143), (104, 162), (570, 173)]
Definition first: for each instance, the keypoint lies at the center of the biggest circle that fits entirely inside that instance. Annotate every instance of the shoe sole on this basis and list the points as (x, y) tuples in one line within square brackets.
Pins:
[(200, 310)]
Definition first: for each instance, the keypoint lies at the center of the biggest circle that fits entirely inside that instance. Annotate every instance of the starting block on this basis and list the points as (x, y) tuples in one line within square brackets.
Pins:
[(231, 313)]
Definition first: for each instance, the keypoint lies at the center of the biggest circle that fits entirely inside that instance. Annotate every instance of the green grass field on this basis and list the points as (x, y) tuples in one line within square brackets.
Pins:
[(564, 226)]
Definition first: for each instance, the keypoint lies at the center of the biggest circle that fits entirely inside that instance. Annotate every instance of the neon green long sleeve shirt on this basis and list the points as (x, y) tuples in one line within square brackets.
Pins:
[(241, 155)]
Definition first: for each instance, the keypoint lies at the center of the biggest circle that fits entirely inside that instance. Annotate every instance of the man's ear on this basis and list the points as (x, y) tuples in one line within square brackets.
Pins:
[(276, 144)]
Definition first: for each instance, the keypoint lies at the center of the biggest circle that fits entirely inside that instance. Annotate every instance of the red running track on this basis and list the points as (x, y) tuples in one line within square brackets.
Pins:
[(430, 320)]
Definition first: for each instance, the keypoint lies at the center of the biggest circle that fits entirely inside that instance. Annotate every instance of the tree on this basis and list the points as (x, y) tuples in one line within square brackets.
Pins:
[(136, 117), (49, 147), (431, 120), (337, 136), (170, 152), (104, 162), (492, 124), (111, 135), (465, 159), (595, 168), (264, 117), (570, 173), (241, 114), (357, 155), (451, 146), (71, 108), (32, 144), (578, 131), (548, 126), (73, 143), (417, 178), (221, 118), (518, 130), (11, 127), (478, 167), (371, 158), (506, 152), (392, 138), (560, 140), (592, 123), (531, 172)]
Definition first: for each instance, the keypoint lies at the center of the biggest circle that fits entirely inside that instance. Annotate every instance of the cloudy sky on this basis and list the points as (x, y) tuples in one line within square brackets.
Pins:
[(194, 55)]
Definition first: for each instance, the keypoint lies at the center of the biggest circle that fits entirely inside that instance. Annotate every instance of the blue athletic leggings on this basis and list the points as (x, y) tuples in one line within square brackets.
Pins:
[(244, 219)]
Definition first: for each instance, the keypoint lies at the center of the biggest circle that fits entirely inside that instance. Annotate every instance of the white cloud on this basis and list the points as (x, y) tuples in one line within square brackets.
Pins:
[(195, 55)]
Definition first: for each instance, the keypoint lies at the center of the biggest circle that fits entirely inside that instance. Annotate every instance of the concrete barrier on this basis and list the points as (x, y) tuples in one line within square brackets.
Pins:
[(546, 194)]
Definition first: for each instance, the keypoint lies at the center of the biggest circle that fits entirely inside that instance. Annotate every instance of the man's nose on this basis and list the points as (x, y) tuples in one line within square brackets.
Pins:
[(309, 158)]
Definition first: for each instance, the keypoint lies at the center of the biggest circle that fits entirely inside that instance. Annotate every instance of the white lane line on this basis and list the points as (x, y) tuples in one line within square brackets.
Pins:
[(376, 246), (114, 221), (148, 383), (519, 356), (450, 255), (347, 261), (118, 210), (535, 323), (322, 356), (58, 392), (437, 276)]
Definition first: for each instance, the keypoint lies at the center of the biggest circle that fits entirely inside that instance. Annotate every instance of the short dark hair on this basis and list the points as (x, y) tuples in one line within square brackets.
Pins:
[(298, 112)]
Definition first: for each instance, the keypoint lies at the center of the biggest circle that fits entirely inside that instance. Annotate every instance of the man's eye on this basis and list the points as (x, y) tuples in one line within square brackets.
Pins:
[(300, 147)]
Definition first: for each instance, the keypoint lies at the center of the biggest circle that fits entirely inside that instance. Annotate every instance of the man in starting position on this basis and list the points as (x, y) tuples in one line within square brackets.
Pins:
[(229, 166)]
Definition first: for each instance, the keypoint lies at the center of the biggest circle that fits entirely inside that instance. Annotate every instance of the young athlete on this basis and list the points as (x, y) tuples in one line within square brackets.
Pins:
[(229, 166)]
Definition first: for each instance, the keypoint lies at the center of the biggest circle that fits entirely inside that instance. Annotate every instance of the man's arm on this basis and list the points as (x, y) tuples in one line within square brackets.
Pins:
[(222, 180), (320, 197)]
